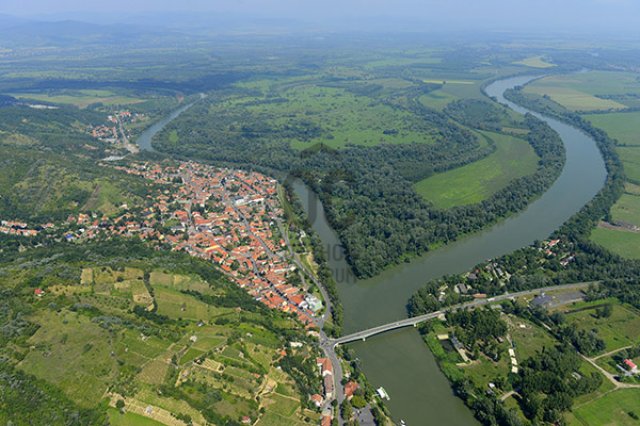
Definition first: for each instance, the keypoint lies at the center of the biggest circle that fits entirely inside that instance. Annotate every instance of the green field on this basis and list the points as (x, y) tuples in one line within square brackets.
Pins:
[(313, 113), (586, 91), (453, 89), (72, 352), (530, 339), (475, 182), (130, 419), (627, 210), (622, 126), (621, 329), (630, 157), (80, 98), (624, 243), (611, 409), (535, 62)]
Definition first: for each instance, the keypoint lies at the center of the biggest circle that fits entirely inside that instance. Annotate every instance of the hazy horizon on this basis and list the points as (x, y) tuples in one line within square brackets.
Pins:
[(584, 16)]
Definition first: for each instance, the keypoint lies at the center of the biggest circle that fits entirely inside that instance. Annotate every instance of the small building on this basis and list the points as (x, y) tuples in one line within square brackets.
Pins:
[(350, 388), (313, 302), (316, 399), (38, 292), (328, 386), (542, 299), (382, 393), (631, 366)]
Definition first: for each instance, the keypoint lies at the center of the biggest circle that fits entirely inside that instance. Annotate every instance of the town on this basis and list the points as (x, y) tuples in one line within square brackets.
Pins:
[(232, 218)]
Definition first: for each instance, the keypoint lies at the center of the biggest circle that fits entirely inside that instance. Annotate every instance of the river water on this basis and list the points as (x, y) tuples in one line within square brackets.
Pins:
[(399, 360), (144, 140)]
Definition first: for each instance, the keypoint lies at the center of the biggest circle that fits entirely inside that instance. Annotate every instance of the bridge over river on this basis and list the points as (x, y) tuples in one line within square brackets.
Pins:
[(414, 321)]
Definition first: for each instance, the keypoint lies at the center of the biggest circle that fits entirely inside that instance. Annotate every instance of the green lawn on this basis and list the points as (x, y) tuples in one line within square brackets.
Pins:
[(477, 181), (344, 117), (611, 409), (438, 99), (72, 353), (624, 243)]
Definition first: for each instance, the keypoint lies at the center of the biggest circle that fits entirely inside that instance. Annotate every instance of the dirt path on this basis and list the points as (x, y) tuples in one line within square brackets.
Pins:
[(612, 379), (611, 352)]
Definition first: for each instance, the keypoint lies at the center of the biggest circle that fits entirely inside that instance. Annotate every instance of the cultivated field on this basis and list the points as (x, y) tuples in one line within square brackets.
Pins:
[(589, 91), (622, 242), (614, 408), (80, 98), (535, 62)]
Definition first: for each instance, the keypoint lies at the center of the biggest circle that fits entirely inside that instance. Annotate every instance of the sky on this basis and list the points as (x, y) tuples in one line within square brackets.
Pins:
[(569, 15)]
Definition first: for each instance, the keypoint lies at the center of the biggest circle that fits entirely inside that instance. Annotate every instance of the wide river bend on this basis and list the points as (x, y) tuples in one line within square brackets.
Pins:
[(399, 360)]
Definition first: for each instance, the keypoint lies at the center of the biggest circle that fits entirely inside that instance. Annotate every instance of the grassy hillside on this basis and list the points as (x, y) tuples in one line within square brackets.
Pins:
[(154, 330)]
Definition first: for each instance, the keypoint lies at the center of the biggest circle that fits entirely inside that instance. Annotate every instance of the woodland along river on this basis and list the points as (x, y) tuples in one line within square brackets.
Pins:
[(399, 360)]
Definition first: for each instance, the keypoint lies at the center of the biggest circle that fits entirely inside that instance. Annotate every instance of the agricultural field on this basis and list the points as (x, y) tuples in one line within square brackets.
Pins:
[(535, 62), (627, 210), (80, 98), (614, 408), (622, 242), (589, 91), (132, 332), (477, 181), (624, 127), (73, 353)]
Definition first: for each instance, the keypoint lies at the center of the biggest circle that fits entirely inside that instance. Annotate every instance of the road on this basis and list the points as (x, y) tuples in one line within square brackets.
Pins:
[(414, 321)]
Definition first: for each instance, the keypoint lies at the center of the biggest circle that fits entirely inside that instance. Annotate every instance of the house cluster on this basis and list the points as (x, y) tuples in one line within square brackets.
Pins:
[(328, 385), (555, 249), (230, 217), (114, 132), (14, 227)]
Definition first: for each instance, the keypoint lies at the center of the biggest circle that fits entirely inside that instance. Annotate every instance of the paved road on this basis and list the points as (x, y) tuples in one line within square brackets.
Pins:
[(364, 334)]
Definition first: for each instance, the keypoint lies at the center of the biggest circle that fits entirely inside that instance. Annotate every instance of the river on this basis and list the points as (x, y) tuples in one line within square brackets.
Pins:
[(144, 140), (399, 360)]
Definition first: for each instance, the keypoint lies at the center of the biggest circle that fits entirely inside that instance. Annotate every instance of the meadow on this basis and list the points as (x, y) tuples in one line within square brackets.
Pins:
[(589, 91), (627, 210), (80, 98), (477, 181), (313, 112), (621, 329), (621, 242), (614, 408), (624, 127), (535, 62)]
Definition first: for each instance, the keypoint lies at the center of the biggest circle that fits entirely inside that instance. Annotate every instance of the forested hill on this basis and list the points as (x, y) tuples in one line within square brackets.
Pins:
[(367, 187)]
